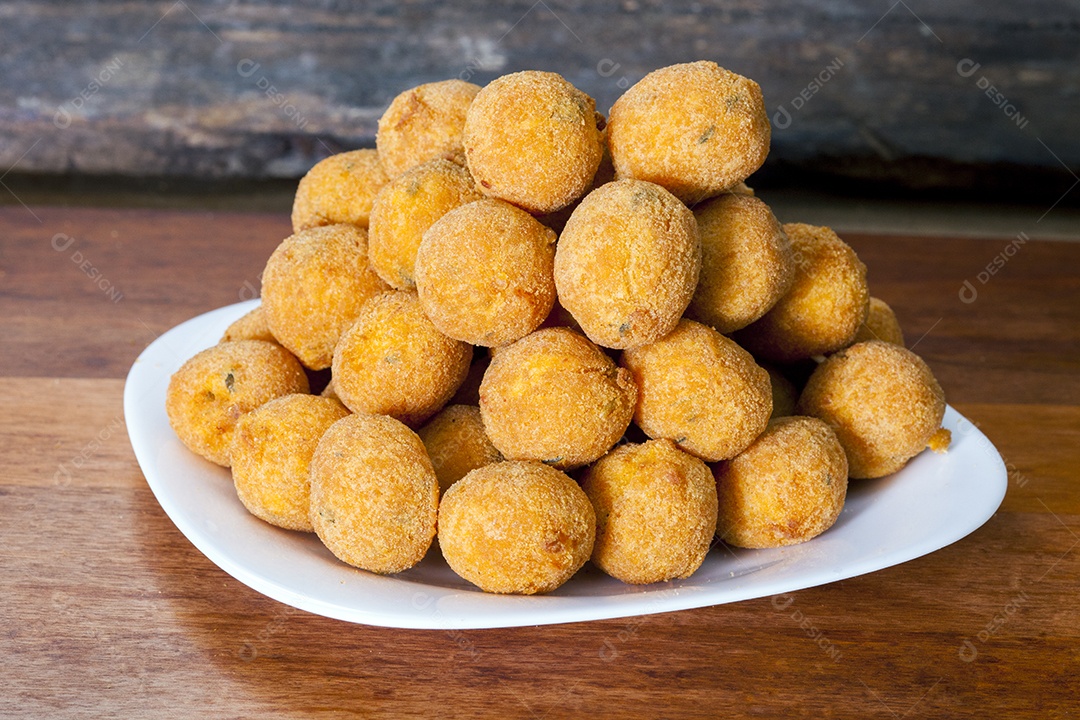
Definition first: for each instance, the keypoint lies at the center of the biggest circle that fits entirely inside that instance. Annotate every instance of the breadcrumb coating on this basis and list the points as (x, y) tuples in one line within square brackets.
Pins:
[(374, 495), (313, 287), (882, 401), (484, 273), (880, 324), (824, 307), (627, 263), (213, 389), (516, 527), (553, 396), (457, 444), (531, 139), (423, 124), (271, 457), (655, 512), (339, 189), (403, 211), (251, 326), (701, 390), (746, 263), (695, 128), (789, 486), (393, 361)]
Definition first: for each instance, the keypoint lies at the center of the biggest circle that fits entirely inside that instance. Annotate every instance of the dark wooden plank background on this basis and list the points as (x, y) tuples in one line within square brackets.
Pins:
[(218, 89)]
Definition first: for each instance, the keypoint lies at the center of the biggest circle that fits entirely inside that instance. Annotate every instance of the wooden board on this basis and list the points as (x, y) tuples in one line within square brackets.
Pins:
[(965, 95), (109, 610)]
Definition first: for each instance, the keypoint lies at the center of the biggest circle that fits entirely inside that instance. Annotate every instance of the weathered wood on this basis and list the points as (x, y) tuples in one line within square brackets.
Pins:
[(968, 94)]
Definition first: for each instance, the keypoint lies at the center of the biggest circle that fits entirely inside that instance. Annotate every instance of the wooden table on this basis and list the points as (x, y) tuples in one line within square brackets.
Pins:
[(109, 611)]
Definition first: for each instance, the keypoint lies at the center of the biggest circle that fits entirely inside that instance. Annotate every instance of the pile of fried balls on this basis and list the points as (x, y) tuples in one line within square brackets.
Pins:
[(547, 337)]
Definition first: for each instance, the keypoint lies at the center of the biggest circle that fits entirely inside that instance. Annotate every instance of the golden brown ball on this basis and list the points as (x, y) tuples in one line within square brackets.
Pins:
[(789, 486), (339, 189), (746, 263), (212, 390), (695, 128), (883, 403), (393, 361), (313, 287), (423, 124), (484, 273), (701, 390), (250, 326), (374, 495), (271, 457), (531, 139), (553, 396), (405, 208), (881, 324), (516, 527), (457, 444), (627, 263), (655, 512), (824, 307)]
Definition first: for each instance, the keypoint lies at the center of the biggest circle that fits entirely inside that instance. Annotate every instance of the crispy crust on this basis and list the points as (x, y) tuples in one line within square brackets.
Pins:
[(789, 486), (531, 138), (516, 527), (655, 512), (338, 189), (271, 457), (374, 495), (553, 396), (457, 444), (627, 263), (210, 392), (424, 124), (393, 361), (882, 402), (695, 128), (701, 390), (484, 273), (313, 287), (824, 307)]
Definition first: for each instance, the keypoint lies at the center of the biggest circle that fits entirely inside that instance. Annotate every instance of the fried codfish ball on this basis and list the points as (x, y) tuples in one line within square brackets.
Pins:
[(212, 390), (882, 402), (746, 263), (457, 444), (484, 273), (655, 512), (786, 488), (824, 307), (784, 393), (553, 396), (313, 287), (532, 139), (374, 495), (393, 361), (881, 324), (404, 210), (339, 189), (423, 124), (516, 527), (604, 174), (251, 326), (627, 263), (701, 390), (271, 457), (696, 128)]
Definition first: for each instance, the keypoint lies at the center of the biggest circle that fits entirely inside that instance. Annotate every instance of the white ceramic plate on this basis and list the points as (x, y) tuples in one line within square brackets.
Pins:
[(931, 503)]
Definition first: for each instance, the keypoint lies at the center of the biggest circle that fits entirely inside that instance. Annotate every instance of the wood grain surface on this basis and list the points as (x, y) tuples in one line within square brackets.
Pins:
[(962, 94), (108, 611)]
